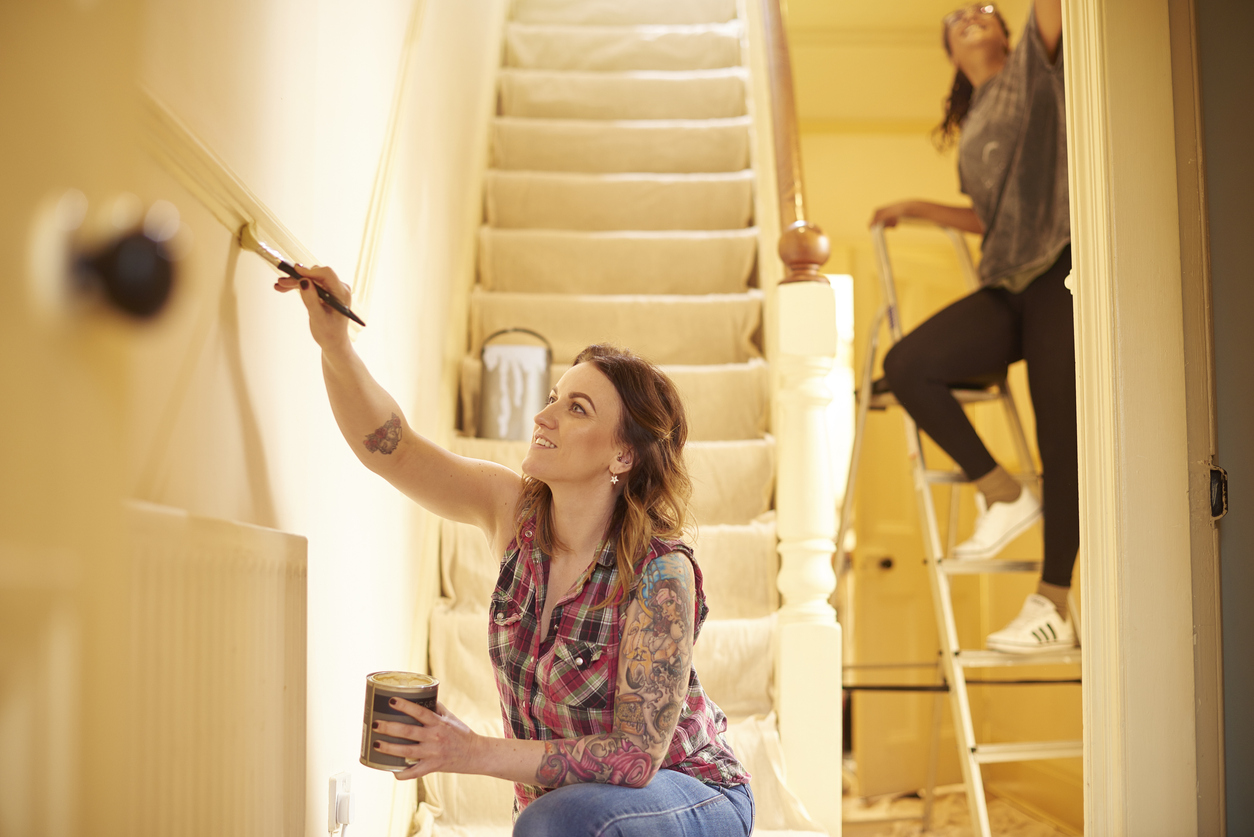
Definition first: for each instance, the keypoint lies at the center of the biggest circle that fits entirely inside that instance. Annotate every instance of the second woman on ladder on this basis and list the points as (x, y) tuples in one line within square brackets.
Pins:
[(1007, 111)]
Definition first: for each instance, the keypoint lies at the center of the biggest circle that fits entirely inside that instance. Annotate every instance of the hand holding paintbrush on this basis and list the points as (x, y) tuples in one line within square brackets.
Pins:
[(300, 276), (326, 297)]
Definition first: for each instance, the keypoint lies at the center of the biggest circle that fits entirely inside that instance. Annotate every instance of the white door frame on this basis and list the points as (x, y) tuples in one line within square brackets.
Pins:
[(1136, 237)]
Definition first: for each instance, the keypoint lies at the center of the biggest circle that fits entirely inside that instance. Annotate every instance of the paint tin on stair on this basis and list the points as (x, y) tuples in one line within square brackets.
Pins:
[(381, 687), (514, 386)]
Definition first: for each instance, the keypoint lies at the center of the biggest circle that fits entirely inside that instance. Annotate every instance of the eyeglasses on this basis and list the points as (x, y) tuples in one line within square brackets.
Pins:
[(974, 9)]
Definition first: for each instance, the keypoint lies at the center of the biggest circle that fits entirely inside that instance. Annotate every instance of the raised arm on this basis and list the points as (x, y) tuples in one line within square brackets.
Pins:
[(654, 664), (1049, 24), (451, 486), (958, 217)]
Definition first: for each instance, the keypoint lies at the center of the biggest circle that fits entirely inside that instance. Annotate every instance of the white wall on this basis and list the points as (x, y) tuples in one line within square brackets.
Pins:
[(229, 416)]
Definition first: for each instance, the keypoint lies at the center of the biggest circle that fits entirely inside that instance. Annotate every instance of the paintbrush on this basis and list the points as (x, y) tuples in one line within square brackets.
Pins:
[(249, 241)]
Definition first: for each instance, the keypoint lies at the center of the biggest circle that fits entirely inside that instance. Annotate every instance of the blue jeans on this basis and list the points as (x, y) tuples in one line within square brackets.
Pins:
[(671, 805)]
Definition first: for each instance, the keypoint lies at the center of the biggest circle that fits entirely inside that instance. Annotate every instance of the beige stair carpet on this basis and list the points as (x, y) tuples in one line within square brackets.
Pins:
[(740, 564), (714, 328), (641, 145), (643, 94), (615, 49), (617, 261), (620, 201), (624, 12)]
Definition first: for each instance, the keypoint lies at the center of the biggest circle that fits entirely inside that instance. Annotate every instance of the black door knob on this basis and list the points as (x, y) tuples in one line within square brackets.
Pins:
[(134, 272)]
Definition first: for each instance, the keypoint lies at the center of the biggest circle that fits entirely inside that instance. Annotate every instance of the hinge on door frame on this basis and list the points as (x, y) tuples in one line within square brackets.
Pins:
[(1218, 492)]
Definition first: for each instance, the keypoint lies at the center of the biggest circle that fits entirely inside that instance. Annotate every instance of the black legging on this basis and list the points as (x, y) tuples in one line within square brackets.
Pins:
[(980, 336)]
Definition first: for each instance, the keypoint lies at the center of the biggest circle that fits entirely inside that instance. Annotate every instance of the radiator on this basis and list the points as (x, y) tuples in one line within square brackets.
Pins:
[(218, 652)]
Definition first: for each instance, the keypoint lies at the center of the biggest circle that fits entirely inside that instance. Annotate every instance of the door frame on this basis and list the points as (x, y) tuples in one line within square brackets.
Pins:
[(1152, 709)]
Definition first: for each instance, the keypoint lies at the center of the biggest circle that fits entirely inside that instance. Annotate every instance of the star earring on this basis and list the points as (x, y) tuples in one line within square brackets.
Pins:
[(613, 479)]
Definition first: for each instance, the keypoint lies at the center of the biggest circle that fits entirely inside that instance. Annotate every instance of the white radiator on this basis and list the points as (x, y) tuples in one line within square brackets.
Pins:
[(218, 651)]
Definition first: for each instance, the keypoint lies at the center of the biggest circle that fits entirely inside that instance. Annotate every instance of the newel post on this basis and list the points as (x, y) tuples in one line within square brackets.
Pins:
[(804, 250), (808, 675)]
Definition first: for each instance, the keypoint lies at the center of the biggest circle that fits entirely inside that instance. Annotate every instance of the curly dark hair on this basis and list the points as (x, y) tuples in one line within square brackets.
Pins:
[(959, 100)]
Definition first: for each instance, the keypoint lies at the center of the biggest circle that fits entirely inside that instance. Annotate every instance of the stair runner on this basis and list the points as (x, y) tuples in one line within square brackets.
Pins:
[(619, 208)]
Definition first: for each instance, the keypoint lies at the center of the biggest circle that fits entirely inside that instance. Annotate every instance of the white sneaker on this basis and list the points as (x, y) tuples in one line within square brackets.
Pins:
[(997, 526), (1038, 627)]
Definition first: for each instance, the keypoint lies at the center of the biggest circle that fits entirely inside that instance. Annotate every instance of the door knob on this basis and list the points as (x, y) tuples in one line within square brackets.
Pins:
[(134, 272), (119, 253)]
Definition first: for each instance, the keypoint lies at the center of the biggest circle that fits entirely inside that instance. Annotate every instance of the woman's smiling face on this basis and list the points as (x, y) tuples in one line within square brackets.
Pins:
[(972, 29), (576, 436)]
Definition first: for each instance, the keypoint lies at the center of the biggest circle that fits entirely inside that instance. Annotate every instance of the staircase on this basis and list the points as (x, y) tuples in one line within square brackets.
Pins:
[(619, 207)]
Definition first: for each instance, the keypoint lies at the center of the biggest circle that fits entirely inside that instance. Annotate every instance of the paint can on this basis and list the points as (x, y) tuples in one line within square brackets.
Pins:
[(514, 387), (382, 686)]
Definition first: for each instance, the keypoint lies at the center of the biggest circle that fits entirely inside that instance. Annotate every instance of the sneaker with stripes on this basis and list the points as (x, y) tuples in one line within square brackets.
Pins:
[(1038, 627)]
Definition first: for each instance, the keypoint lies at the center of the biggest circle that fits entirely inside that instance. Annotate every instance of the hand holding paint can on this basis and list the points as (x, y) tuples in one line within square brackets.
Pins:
[(381, 687)]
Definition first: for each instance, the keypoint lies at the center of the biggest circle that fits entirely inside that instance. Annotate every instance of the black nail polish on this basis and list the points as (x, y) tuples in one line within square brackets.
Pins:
[(374, 725), (376, 745), (391, 701), (304, 284)]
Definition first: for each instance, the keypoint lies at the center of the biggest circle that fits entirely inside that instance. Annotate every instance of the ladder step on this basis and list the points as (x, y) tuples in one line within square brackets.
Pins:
[(944, 477), (978, 658), (884, 400), (948, 477), (1027, 751), (953, 566)]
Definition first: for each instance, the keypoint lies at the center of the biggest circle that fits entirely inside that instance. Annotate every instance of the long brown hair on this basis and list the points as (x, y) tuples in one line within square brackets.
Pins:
[(654, 501), (960, 92)]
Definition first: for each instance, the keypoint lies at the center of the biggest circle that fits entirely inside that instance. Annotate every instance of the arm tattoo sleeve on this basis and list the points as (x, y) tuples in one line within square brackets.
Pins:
[(385, 439), (610, 759), (655, 658), (656, 654)]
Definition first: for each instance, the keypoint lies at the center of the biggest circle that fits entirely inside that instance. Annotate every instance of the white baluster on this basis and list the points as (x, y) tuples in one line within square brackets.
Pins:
[(808, 667)]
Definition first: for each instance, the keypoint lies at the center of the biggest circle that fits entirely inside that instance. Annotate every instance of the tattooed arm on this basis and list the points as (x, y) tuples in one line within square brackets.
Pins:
[(654, 662), (451, 486)]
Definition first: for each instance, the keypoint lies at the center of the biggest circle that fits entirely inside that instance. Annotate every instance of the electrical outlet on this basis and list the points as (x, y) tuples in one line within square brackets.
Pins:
[(337, 788)]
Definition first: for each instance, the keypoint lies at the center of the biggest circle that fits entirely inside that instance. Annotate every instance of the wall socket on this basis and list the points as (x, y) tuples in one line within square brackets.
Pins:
[(338, 788)]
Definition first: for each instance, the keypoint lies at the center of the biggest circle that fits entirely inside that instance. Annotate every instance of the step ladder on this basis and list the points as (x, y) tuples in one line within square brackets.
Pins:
[(955, 661)]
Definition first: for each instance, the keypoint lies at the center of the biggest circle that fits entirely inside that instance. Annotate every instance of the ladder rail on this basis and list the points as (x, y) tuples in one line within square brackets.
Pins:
[(864, 403), (947, 632)]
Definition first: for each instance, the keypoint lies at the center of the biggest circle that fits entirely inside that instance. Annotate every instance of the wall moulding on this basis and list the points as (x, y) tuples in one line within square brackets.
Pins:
[(372, 234), (207, 176)]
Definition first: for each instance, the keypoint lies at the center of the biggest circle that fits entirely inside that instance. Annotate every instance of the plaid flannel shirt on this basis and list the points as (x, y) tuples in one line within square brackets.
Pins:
[(564, 687)]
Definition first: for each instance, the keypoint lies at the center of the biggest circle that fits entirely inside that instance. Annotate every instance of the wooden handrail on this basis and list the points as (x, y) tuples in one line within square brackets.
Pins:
[(802, 246)]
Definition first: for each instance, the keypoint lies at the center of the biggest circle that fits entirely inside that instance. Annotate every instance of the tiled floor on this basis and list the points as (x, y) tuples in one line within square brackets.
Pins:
[(898, 817)]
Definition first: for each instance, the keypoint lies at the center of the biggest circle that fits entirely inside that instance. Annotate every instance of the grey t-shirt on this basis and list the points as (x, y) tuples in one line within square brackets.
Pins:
[(1012, 162)]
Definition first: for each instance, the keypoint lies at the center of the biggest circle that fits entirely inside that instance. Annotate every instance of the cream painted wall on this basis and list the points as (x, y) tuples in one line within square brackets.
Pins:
[(870, 82), (230, 417)]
